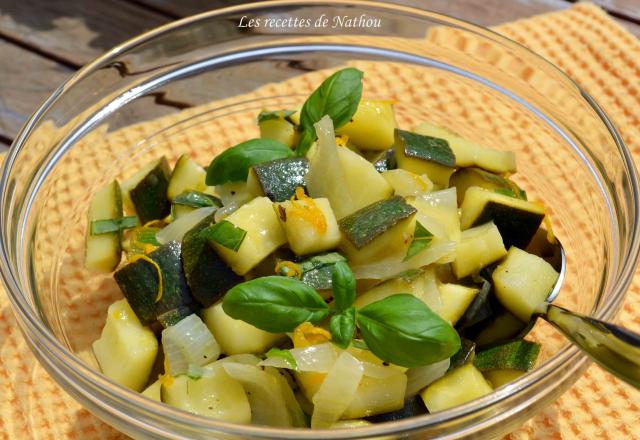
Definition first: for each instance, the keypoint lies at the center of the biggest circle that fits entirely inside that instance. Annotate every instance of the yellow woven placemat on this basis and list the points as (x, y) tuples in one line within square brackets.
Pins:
[(584, 42)]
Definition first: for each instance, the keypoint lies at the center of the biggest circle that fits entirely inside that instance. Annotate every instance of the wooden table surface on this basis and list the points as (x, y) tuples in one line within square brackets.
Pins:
[(43, 41)]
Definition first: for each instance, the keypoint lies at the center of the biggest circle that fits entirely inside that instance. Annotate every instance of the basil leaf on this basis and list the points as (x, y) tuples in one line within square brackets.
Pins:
[(285, 355), (343, 284), (233, 164), (225, 234), (421, 240), (108, 226), (197, 199), (342, 327), (278, 114), (275, 304), (338, 96), (402, 330)]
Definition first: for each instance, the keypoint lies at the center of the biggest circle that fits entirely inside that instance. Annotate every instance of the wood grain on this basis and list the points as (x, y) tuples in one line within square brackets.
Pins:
[(624, 8), (26, 79), (75, 31)]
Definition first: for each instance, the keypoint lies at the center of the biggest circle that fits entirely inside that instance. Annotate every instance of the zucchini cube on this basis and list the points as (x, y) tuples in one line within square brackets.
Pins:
[(309, 224), (478, 247), (371, 127), (455, 388), (522, 282), (126, 350), (264, 235)]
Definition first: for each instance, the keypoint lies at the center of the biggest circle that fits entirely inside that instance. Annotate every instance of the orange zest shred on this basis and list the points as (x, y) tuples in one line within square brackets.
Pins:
[(293, 270), (137, 257), (307, 334), (305, 208)]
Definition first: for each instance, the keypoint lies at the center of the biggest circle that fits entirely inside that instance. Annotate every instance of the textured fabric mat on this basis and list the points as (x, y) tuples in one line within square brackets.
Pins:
[(586, 44)]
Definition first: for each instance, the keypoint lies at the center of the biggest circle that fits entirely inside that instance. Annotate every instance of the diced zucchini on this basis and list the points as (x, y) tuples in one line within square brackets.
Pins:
[(364, 184), (455, 301), (154, 391), (126, 349), (413, 406), (172, 317), (405, 183), (499, 378), (421, 284), (425, 155), (214, 395), (371, 127), (139, 282), (480, 310), (208, 276), (277, 125), (186, 176), (264, 235), (377, 396), (278, 179), (466, 178), (377, 231), (146, 191), (384, 160), (237, 193), (235, 336), (455, 388), (309, 224), (478, 247), (516, 219), (469, 154), (316, 270), (501, 327), (523, 281), (103, 252), (515, 355), (465, 355)]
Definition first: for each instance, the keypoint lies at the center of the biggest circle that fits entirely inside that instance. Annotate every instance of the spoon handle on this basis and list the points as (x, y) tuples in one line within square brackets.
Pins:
[(614, 348)]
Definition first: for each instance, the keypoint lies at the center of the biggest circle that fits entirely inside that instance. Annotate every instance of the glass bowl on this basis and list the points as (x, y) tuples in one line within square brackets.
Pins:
[(196, 86)]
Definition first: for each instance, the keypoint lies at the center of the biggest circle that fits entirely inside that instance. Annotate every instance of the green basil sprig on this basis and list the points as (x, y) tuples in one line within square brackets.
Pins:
[(108, 226), (284, 355), (338, 96), (233, 164), (342, 327), (344, 286), (225, 234), (421, 240), (275, 304), (401, 329), (197, 199)]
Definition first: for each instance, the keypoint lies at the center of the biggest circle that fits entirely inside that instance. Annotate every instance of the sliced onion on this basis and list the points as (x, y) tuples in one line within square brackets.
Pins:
[(227, 210), (268, 405), (379, 371), (421, 377), (337, 391), (179, 227), (318, 358), (438, 251), (429, 292), (188, 342)]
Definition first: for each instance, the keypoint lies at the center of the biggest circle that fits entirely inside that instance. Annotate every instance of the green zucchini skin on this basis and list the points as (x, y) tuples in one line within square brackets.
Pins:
[(385, 161), (465, 355), (149, 196), (502, 327), (317, 270), (207, 275), (481, 309), (172, 317), (465, 178), (516, 227), (426, 148), (413, 406), (280, 178), (364, 225), (516, 355), (139, 284)]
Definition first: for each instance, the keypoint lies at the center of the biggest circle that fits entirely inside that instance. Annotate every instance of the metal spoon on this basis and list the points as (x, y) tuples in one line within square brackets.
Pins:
[(614, 348)]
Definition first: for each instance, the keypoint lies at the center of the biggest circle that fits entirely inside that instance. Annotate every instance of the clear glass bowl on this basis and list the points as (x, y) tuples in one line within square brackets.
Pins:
[(198, 83)]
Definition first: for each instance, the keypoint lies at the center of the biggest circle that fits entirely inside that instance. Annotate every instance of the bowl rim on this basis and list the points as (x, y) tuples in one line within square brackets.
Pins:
[(570, 356)]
